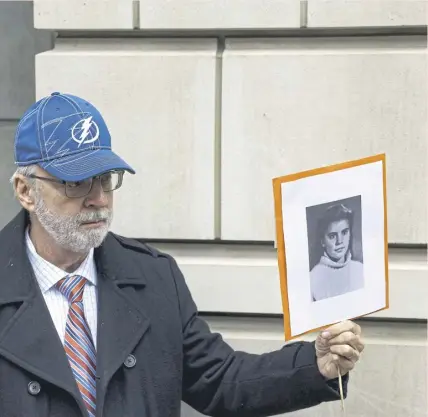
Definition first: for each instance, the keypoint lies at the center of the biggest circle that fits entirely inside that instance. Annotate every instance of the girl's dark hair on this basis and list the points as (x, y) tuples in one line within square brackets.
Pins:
[(334, 213)]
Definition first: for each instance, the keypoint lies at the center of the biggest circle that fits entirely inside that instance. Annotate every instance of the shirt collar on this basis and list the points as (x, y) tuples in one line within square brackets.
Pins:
[(48, 275)]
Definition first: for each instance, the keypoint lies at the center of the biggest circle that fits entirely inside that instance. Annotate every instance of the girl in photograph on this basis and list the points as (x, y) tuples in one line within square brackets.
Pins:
[(337, 272)]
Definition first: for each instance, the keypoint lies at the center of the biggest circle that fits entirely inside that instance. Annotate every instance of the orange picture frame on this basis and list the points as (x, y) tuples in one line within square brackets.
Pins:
[(281, 244)]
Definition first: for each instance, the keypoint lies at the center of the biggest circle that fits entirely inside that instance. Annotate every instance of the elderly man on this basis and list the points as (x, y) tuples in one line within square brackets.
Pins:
[(95, 324)]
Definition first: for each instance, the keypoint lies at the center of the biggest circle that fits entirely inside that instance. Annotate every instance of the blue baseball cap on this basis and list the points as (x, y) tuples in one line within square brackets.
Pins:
[(66, 136)]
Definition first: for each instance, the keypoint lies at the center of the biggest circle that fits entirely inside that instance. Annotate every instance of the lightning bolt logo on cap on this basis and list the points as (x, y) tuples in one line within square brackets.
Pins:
[(89, 131)]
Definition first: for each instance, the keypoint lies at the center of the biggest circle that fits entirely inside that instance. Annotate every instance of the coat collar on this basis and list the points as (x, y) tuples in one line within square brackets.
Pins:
[(29, 338)]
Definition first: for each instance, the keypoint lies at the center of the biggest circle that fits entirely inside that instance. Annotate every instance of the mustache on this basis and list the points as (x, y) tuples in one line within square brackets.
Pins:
[(93, 216)]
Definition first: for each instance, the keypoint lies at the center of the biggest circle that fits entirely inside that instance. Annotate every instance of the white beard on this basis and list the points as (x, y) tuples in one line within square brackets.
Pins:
[(65, 230)]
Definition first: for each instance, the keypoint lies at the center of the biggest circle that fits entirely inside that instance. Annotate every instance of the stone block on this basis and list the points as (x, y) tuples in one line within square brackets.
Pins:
[(158, 97), (291, 105), (83, 14), (216, 273), (219, 14), (365, 13), (19, 42)]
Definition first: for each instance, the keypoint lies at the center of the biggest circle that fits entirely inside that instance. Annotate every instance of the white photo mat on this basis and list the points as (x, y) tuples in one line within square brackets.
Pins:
[(364, 179)]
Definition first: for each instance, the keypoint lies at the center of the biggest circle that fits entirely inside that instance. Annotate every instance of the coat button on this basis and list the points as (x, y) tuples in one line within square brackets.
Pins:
[(34, 388), (130, 361)]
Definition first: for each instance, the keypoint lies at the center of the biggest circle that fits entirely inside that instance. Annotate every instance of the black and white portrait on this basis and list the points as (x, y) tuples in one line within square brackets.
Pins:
[(332, 243), (335, 248)]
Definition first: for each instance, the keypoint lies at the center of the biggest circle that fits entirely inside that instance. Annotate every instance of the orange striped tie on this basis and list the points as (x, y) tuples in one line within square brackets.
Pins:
[(78, 342)]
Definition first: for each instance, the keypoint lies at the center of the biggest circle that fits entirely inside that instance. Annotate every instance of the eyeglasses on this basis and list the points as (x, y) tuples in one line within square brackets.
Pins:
[(109, 181)]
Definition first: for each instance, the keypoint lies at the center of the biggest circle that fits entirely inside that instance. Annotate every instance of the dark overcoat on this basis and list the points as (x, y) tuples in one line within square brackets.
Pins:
[(153, 349)]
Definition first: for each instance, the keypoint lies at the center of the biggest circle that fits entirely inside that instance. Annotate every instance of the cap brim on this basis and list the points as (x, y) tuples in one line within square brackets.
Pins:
[(84, 165)]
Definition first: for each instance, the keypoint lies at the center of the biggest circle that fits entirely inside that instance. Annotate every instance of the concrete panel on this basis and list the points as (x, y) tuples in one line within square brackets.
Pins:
[(364, 13), (219, 14), (82, 14), (291, 105), (19, 42), (9, 206), (216, 273), (158, 97), (389, 380)]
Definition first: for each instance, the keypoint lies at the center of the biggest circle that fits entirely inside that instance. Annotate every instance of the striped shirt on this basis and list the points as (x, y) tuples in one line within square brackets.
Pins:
[(48, 275)]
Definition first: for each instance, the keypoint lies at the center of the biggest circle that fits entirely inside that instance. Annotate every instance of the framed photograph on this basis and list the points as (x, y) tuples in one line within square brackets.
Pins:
[(331, 238)]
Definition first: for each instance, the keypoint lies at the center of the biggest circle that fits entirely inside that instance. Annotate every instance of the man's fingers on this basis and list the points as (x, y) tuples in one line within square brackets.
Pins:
[(342, 327), (345, 352), (348, 338)]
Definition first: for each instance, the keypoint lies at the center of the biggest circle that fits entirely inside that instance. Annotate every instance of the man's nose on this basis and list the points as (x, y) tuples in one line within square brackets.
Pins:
[(97, 196)]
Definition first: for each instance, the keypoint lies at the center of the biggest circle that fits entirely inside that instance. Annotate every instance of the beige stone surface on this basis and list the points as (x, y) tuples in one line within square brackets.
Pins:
[(364, 13), (158, 99), (219, 14), (291, 105), (82, 14)]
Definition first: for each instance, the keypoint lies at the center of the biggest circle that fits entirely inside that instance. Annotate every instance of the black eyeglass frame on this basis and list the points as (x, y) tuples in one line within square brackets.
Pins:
[(64, 183)]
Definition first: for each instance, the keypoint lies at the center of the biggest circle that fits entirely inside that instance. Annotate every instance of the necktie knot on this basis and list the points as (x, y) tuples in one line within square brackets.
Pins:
[(72, 288)]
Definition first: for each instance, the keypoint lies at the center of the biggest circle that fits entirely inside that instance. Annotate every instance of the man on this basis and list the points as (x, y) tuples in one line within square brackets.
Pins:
[(95, 324)]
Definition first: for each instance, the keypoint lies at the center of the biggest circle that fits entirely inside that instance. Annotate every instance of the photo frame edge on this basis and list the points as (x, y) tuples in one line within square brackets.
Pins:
[(330, 168), (280, 243), (281, 257), (385, 232)]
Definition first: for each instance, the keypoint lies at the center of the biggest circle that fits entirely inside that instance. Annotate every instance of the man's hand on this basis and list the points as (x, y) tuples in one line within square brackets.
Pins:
[(338, 346)]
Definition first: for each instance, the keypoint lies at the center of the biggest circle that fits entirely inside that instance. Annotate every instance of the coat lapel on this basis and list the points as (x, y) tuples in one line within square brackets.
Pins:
[(122, 321), (28, 337)]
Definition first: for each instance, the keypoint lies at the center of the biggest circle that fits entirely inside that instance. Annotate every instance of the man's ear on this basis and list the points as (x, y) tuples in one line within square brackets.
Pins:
[(24, 192)]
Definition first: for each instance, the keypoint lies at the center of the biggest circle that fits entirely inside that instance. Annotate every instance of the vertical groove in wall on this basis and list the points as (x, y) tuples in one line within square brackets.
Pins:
[(304, 13), (136, 14), (217, 137)]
